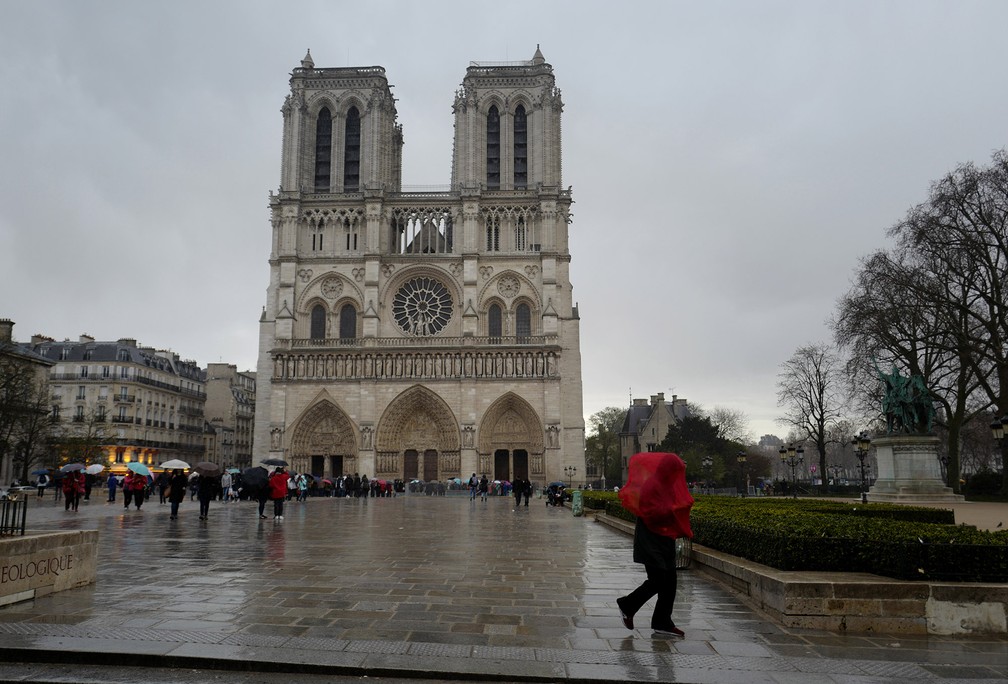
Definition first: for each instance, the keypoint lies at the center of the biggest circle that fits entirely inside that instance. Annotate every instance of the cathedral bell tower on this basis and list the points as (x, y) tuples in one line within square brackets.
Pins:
[(421, 335)]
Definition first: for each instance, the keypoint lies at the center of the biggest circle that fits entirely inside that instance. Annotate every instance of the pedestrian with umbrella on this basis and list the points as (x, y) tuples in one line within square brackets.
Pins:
[(278, 491), (657, 493), (176, 491), (137, 486), (73, 485), (43, 480), (208, 486), (256, 481)]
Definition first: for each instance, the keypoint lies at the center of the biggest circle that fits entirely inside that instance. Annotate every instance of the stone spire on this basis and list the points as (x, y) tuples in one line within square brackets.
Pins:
[(308, 62), (538, 58)]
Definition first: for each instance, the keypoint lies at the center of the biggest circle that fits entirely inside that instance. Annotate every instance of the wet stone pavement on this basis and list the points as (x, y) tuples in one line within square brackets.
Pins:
[(428, 587)]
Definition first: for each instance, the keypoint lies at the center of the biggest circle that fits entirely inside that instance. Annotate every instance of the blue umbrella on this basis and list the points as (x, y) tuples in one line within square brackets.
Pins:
[(137, 467), (40, 472)]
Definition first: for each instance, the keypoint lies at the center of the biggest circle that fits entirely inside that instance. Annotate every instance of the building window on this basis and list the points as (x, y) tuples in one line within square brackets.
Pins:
[(494, 327), (123, 372), (493, 149), (323, 150), (55, 412), (318, 322), (80, 393), (124, 355), (493, 235), (351, 236), (87, 354), (351, 152), (83, 371), (105, 372), (520, 149), (316, 241), (64, 354), (521, 235), (523, 322), (348, 322), (79, 414)]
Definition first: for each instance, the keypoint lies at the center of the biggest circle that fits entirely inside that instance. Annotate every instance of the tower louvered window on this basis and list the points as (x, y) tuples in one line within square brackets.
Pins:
[(523, 322), (494, 328), (351, 152), (323, 150), (520, 149), (493, 149), (348, 322), (318, 322)]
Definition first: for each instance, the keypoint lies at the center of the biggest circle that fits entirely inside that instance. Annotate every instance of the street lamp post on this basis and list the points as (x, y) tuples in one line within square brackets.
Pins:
[(570, 472), (861, 445), (708, 464), (790, 456), (741, 458)]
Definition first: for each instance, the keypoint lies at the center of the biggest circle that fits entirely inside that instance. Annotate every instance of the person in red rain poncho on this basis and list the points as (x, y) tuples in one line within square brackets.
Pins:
[(657, 493), (278, 491), (73, 487)]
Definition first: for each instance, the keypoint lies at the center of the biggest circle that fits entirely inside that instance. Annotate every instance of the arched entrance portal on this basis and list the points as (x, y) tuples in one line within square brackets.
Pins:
[(323, 442), (417, 438), (511, 440)]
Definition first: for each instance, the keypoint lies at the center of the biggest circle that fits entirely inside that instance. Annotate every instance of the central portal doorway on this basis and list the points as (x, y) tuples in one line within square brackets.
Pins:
[(411, 465), (430, 469)]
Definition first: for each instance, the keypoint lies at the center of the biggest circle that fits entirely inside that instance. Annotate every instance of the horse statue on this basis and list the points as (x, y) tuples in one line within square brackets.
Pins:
[(906, 403)]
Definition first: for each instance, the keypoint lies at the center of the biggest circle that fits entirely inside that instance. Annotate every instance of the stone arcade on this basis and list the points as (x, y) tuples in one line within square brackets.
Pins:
[(421, 334)]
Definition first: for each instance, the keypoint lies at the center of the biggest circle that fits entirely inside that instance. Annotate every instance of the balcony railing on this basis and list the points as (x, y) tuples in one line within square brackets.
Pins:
[(385, 343)]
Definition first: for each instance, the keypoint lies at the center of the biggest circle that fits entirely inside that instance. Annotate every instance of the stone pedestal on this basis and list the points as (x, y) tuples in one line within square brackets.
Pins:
[(909, 471)]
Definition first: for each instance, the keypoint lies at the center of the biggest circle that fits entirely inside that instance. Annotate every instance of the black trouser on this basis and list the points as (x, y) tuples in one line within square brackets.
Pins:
[(278, 507), (204, 506), (661, 582), (72, 500), (138, 498), (127, 497)]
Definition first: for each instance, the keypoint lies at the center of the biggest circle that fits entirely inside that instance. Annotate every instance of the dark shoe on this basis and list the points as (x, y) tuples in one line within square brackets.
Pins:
[(627, 619), (669, 630)]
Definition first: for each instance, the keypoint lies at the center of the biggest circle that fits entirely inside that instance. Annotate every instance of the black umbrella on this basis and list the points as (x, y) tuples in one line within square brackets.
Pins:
[(275, 462), (255, 477), (207, 469)]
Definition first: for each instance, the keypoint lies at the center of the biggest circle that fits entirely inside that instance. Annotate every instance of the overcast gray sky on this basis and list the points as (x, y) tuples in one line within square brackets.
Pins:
[(730, 161)]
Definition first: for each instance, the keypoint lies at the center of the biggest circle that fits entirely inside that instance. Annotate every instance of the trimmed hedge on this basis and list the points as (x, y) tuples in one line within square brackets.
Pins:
[(903, 542)]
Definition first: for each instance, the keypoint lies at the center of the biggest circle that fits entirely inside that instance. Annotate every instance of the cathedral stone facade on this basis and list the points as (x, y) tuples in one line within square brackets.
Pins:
[(411, 334)]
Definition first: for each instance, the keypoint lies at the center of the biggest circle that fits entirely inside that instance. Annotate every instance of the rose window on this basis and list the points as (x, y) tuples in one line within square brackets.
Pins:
[(422, 306)]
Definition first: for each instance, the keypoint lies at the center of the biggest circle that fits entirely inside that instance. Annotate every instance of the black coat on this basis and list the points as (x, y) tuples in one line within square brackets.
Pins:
[(178, 484), (653, 549)]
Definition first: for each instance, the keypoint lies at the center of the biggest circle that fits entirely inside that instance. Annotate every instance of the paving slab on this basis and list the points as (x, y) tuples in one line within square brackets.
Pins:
[(427, 588)]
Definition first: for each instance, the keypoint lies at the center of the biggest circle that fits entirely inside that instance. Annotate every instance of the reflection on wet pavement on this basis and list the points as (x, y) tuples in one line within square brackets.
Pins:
[(433, 585)]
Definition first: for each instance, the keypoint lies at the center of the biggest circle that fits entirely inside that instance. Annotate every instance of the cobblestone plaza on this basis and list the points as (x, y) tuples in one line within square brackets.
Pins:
[(429, 587)]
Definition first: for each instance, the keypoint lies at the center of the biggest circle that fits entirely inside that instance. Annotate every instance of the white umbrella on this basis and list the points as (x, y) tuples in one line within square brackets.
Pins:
[(175, 464), (94, 469)]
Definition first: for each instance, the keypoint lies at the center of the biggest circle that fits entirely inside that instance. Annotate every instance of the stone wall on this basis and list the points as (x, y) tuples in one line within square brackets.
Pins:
[(36, 565), (854, 602)]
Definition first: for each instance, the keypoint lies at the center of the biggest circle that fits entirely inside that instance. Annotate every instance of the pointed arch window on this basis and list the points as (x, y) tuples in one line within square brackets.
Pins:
[(493, 149), (494, 327), (348, 322), (351, 152), (520, 149), (523, 322), (323, 150), (318, 322), (493, 234)]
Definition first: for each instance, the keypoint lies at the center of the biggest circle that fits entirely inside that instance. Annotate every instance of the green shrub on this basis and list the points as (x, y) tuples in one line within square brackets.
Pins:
[(984, 482), (904, 542)]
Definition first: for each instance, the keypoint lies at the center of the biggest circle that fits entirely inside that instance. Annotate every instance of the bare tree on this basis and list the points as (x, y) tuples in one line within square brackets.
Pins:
[(810, 388), (17, 383), (900, 313), (732, 423), (602, 445), (961, 234)]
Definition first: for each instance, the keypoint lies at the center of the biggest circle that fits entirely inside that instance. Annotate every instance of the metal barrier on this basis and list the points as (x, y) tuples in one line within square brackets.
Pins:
[(683, 552), (13, 515)]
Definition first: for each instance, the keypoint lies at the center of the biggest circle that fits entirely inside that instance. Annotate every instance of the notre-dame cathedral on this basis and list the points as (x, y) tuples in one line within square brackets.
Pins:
[(418, 334)]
